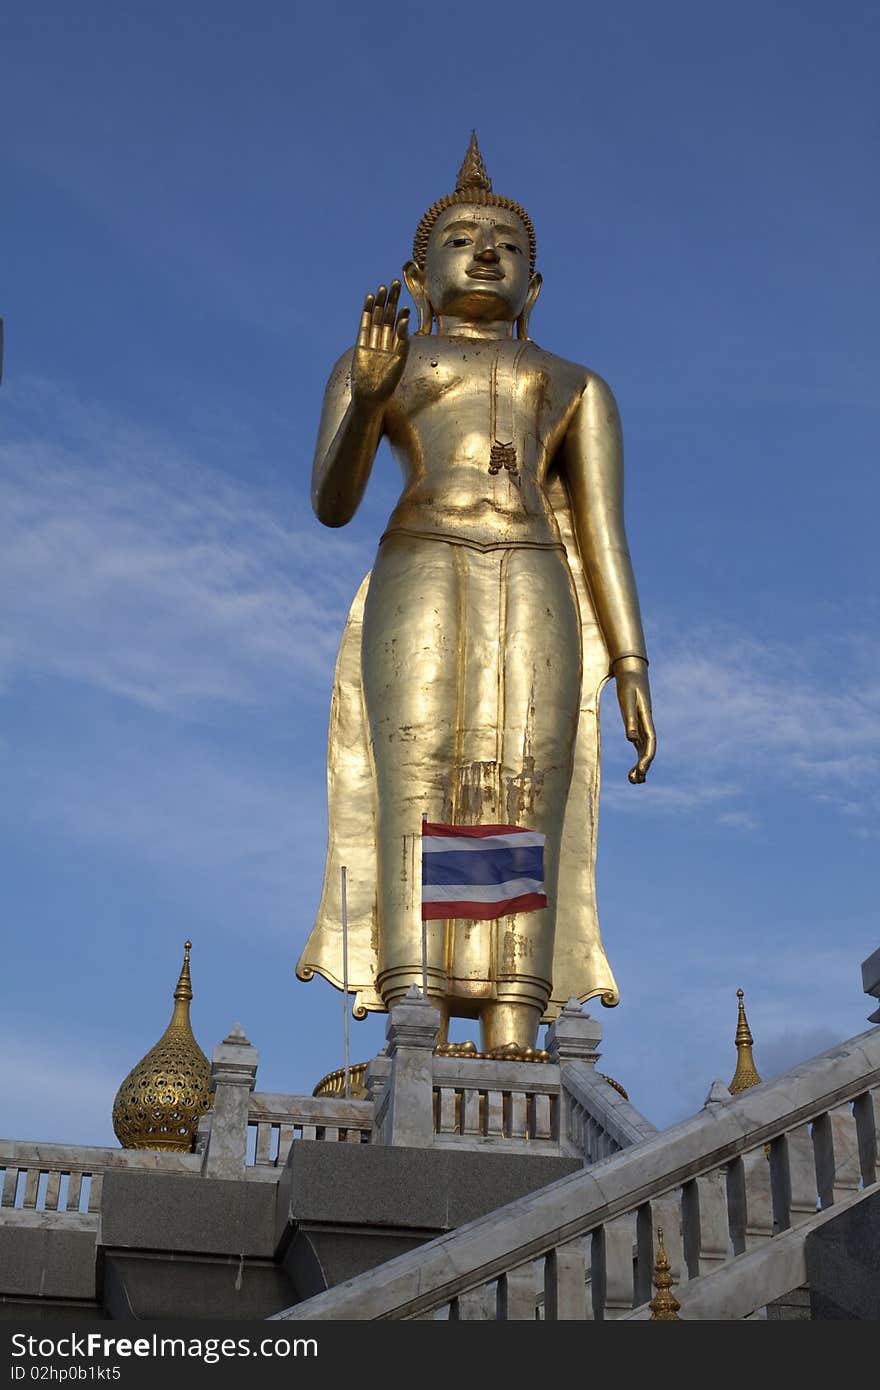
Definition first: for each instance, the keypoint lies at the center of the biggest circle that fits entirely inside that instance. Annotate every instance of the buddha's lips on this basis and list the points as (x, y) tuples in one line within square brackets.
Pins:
[(484, 272)]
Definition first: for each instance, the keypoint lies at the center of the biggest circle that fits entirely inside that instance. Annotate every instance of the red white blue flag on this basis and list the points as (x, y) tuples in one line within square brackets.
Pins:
[(481, 871)]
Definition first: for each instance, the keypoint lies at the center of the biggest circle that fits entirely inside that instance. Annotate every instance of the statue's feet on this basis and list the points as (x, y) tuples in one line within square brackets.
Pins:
[(462, 1049), (509, 1052)]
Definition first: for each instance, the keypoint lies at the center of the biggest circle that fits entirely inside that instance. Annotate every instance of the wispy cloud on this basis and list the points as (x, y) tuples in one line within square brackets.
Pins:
[(135, 568), (738, 717)]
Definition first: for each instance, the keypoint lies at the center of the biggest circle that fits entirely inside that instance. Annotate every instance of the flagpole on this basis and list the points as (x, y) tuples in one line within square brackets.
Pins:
[(345, 983), (424, 924)]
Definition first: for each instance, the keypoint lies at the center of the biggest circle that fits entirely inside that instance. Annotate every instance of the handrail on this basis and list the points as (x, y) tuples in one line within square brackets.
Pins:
[(539, 1224)]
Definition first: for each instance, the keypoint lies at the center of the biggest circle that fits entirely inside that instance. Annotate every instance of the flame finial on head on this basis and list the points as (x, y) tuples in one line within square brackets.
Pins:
[(473, 185), (472, 173)]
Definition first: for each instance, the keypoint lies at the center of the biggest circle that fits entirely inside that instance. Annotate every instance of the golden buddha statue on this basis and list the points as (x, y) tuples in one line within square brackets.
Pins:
[(501, 600)]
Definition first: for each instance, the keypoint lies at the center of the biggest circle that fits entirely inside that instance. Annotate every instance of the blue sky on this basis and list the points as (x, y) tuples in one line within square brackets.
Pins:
[(195, 200)]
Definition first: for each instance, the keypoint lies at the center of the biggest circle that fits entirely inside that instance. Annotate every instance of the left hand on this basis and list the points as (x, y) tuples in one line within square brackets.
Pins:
[(634, 698)]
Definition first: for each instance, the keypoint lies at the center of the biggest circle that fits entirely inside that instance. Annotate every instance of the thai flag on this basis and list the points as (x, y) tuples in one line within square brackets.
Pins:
[(481, 871)]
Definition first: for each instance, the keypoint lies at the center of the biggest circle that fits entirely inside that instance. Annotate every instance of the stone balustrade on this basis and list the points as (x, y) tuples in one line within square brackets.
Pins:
[(276, 1121), (66, 1179), (735, 1188)]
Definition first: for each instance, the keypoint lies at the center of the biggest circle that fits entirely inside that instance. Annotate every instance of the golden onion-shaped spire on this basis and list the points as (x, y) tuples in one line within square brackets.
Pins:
[(160, 1102), (746, 1073), (664, 1305)]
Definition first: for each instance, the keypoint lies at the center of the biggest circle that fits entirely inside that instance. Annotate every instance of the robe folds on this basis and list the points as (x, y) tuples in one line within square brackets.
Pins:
[(565, 937)]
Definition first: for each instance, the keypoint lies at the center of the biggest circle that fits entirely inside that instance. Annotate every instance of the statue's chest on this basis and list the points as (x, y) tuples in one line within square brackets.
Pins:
[(500, 392)]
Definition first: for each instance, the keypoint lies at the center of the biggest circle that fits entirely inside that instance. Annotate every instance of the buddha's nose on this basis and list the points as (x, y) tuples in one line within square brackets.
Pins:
[(487, 253)]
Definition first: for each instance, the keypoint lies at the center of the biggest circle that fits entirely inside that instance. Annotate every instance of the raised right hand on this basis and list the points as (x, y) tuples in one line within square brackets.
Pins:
[(382, 345)]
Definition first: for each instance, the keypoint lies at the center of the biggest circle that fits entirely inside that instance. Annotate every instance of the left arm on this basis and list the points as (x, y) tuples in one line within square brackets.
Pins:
[(592, 463)]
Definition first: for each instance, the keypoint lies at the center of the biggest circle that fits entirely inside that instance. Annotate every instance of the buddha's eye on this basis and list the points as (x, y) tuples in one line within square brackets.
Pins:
[(459, 241), (510, 246)]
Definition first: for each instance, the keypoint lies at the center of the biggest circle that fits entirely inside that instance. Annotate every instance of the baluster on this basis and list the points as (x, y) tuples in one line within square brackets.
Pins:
[(470, 1112), (585, 1133), (666, 1213), (543, 1126), (618, 1265), (309, 1132), (10, 1183), (517, 1295), (836, 1146), (793, 1178), (474, 1305), (495, 1114), (518, 1114), (446, 1124), (95, 1188), (644, 1265), (704, 1223), (31, 1184), (749, 1203), (286, 1135), (331, 1134), (576, 1126), (612, 1268), (74, 1191), (867, 1113), (845, 1139), (263, 1151), (565, 1283), (53, 1187)]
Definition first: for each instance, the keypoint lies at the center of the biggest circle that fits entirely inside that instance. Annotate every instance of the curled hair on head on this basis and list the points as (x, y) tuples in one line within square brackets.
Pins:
[(472, 186)]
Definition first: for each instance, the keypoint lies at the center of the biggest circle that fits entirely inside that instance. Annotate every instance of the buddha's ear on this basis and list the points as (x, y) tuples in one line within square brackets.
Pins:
[(522, 323), (414, 278)]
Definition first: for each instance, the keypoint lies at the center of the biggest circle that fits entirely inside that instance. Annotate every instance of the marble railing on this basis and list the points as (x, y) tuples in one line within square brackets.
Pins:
[(569, 1109), (598, 1120), (515, 1102), (276, 1121), (67, 1178), (740, 1181)]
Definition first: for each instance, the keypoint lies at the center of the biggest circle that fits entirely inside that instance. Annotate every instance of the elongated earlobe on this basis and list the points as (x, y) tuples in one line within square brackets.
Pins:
[(522, 323), (414, 279)]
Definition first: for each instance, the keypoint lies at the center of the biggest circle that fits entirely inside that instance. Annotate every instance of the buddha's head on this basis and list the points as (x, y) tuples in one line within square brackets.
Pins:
[(474, 254)]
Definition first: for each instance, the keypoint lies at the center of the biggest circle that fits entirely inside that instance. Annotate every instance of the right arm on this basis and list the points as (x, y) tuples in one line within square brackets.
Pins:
[(363, 380)]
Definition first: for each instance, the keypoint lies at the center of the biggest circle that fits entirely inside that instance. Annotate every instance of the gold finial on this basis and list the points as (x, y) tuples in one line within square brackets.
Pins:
[(184, 984), (160, 1102), (473, 185), (664, 1305), (746, 1073), (472, 173)]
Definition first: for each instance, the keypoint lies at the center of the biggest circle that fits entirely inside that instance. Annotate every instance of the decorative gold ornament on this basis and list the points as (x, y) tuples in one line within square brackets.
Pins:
[(160, 1102), (746, 1073), (474, 186), (664, 1305), (614, 1084), (508, 1052), (333, 1084)]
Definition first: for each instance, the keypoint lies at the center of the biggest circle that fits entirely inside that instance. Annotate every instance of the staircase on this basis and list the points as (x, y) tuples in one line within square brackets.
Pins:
[(737, 1188)]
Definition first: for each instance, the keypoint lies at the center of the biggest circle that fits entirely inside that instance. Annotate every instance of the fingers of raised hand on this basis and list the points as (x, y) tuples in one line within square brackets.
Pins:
[(386, 337), (381, 326), (363, 339)]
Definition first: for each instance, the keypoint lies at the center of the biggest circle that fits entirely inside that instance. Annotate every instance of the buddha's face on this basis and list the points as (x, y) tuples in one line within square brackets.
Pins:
[(477, 264)]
